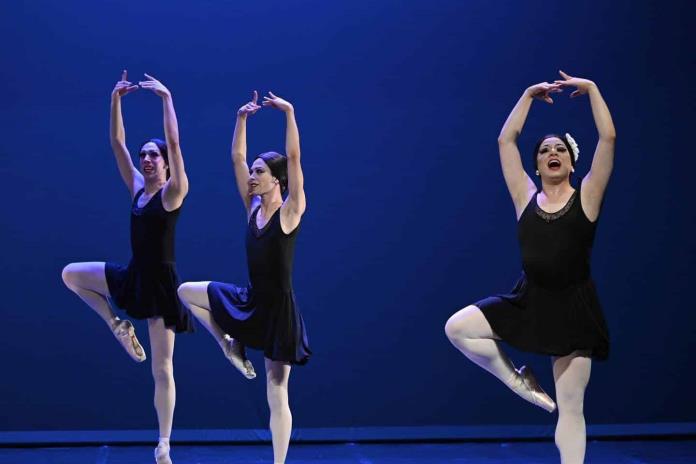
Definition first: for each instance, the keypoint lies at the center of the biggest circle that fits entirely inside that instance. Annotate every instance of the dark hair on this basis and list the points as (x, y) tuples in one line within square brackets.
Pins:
[(162, 146), (549, 136), (278, 164)]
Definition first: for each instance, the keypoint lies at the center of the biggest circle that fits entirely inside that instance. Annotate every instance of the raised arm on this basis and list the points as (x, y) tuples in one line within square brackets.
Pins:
[(595, 182), (519, 184), (294, 206), (176, 188), (239, 150), (117, 134)]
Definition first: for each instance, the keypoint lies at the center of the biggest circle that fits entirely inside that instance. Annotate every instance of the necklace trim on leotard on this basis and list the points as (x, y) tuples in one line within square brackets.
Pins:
[(548, 217)]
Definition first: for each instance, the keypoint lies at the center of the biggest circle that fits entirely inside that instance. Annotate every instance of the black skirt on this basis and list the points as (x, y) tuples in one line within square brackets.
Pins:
[(148, 291), (555, 322), (266, 321)]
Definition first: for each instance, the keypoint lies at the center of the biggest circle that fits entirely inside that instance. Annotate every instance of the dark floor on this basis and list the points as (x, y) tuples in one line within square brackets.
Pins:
[(599, 452)]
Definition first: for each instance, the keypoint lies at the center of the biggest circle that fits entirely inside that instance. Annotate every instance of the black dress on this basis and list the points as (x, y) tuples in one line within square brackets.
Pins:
[(264, 315), (147, 286), (553, 309)]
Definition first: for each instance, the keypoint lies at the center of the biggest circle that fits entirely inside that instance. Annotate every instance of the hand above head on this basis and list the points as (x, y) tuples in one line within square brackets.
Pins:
[(123, 87), (542, 90), (277, 102), (582, 85), (156, 86), (250, 107)]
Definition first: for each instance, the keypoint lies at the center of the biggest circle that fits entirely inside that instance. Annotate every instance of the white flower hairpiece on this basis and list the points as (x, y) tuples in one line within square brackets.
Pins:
[(573, 146)]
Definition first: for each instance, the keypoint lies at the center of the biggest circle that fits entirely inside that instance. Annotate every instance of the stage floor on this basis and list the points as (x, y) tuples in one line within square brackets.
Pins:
[(599, 452)]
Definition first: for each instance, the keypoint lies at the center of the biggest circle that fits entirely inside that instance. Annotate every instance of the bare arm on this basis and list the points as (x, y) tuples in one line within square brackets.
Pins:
[(239, 150), (595, 182), (520, 186), (117, 135), (294, 206), (176, 188)]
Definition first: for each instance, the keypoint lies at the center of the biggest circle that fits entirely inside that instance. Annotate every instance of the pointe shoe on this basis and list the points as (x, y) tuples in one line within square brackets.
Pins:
[(162, 454), (235, 354), (125, 334), (534, 393)]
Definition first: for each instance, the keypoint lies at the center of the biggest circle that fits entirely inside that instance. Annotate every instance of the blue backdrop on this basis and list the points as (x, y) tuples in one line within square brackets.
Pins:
[(399, 105)]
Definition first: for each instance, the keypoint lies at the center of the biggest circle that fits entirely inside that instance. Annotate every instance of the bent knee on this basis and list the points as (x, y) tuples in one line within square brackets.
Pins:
[(184, 291), (188, 291), (459, 326), (193, 293), (452, 328), (70, 276)]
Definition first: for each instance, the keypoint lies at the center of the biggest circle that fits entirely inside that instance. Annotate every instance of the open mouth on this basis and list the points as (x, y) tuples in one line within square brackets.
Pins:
[(148, 169), (554, 164)]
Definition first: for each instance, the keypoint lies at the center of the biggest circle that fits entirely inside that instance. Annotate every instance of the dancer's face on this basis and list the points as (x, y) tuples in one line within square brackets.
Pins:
[(261, 181), (152, 164), (553, 159)]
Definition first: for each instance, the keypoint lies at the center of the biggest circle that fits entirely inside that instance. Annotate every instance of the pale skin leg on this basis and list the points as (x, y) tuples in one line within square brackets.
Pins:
[(162, 352), (470, 333), (277, 376), (195, 296), (88, 281), (571, 375)]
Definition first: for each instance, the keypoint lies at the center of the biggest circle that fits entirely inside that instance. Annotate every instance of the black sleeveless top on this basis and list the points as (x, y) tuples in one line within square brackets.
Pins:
[(270, 254), (553, 308), (146, 288), (152, 231), (556, 247)]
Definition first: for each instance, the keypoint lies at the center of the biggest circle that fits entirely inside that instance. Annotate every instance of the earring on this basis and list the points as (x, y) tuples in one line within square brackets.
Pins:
[(537, 172)]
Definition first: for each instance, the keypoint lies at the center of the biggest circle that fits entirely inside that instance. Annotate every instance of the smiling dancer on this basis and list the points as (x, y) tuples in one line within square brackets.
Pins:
[(146, 288), (262, 315), (553, 309)]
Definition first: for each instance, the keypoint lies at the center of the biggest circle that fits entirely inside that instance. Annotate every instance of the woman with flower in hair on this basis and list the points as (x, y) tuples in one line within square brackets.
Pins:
[(262, 315), (553, 309)]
